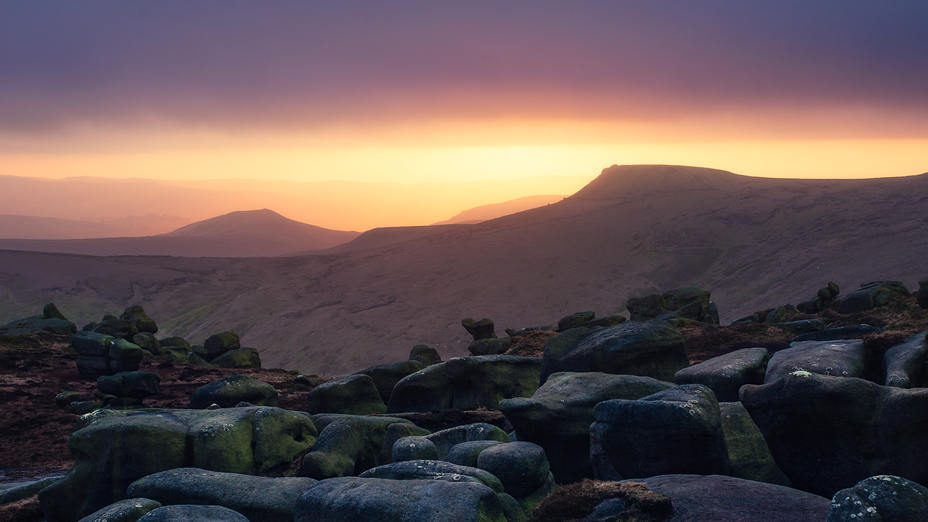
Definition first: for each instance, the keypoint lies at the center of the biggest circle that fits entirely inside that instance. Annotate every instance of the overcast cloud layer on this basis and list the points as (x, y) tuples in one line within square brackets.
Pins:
[(285, 64)]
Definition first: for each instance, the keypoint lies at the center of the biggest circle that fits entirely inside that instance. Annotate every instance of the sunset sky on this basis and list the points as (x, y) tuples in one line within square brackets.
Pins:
[(426, 91)]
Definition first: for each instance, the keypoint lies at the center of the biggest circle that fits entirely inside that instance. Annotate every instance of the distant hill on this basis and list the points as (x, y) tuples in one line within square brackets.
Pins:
[(495, 210), (254, 233), (381, 237), (35, 227), (637, 229)]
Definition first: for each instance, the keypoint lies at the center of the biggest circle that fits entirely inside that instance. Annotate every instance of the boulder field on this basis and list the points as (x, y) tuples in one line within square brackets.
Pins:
[(614, 421)]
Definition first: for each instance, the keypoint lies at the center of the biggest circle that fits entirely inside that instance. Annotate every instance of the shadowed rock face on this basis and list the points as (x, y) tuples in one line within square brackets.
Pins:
[(827, 433), (646, 348), (634, 231)]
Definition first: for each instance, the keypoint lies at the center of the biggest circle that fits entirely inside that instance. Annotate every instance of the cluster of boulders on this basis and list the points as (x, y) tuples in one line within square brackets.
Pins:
[(122, 390), (50, 320), (688, 303), (823, 430)]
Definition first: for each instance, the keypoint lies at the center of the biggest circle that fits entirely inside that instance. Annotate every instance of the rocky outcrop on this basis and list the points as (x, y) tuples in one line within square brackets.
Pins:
[(678, 430), (484, 381), (385, 376), (426, 390), (558, 415), (822, 300), (269, 499), (715, 498), (689, 303), (884, 497), (136, 315), (233, 390), (100, 354), (352, 395), (127, 389), (645, 348), (871, 295), (128, 510), (347, 445), (727, 373), (113, 449), (827, 433), (50, 320), (840, 358), (418, 500), (748, 453), (906, 365)]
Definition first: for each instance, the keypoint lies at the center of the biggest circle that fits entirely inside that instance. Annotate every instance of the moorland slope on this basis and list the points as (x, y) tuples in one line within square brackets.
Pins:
[(634, 230)]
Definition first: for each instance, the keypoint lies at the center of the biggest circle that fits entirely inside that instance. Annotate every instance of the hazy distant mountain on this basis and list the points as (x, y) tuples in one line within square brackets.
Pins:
[(254, 233), (34, 227), (336, 205), (494, 210), (634, 230)]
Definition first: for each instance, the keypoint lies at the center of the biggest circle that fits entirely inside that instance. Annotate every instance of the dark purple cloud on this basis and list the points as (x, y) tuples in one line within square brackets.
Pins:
[(231, 62)]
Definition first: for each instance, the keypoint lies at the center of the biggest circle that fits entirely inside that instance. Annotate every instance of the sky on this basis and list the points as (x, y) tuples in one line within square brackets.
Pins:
[(425, 91)]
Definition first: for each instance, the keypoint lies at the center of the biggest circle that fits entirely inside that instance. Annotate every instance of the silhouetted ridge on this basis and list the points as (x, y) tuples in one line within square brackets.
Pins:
[(629, 181)]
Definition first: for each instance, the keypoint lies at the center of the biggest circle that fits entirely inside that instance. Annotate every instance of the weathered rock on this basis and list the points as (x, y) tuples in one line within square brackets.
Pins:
[(114, 448), (482, 329), (268, 499), (352, 395), (425, 355), (384, 500), (347, 445), (906, 365), (414, 448), (647, 307), (147, 341), (137, 385), (218, 344), (119, 328), (803, 327), (175, 341), (465, 453), (727, 373), (241, 358), (25, 490), (386, 376), (445, 440), (698, 498), (91, 344), (646, 348), (748, 319), (486, 380), (136, 315), (231, 390), (426, 390), (558, 415), (521, 466), (682, 297), (124, 356), (128, 510), (882, 498), (434, 470), (394, 433), (66, 397), (748, 453), (575, 319), (835, 334), (922, 295), (491, 346), (872, 295), (827, 433), (777, 315), (186, 513), (846, 358), (193, 359), (50, 311), (678, 430)]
